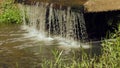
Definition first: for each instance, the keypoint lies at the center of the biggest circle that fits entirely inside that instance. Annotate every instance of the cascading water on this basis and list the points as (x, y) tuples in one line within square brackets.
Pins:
[(62, 25)]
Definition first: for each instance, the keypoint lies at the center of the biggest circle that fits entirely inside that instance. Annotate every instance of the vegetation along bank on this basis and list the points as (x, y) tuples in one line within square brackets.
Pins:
[(110, 58)]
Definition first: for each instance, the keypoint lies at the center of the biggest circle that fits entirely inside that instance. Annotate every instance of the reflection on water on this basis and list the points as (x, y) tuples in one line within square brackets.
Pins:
[(23, 49)]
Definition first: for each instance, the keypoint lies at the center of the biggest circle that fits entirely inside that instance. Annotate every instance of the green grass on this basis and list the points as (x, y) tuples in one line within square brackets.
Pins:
[(110, 57), (10, 14)]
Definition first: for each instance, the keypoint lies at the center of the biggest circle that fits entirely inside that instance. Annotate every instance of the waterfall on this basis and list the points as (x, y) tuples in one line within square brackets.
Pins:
[(54, 23)]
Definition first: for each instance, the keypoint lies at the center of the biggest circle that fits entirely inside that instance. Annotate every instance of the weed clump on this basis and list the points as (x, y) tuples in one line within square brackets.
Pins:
[(10, 12)]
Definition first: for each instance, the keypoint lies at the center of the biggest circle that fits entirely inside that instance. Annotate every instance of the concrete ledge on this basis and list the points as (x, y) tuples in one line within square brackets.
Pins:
[(76, 5), (102, 5), (61, 2), (89, 5)]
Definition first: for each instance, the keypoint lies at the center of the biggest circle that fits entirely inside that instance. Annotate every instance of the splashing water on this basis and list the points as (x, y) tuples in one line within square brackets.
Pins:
[(45, 22)]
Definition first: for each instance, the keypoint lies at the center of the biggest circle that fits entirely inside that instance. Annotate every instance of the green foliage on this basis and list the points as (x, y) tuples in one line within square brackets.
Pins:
[(10, 14), (110, 57), (111, 53)]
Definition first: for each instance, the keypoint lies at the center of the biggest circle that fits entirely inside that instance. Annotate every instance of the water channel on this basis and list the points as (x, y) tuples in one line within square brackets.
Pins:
[(26, 45), (18, 46)]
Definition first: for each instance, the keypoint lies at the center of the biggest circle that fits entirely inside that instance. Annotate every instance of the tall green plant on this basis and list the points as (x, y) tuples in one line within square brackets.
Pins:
[(10, 14)]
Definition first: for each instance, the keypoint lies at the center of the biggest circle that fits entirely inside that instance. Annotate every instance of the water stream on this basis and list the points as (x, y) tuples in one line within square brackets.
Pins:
[(54, 24), (44, 30), (22, 48)]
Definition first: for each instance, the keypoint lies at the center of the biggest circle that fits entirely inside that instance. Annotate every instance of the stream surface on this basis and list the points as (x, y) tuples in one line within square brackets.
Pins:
[(18, 48)]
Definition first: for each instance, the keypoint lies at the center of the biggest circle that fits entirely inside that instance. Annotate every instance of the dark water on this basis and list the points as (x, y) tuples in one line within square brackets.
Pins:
[(18, 49)]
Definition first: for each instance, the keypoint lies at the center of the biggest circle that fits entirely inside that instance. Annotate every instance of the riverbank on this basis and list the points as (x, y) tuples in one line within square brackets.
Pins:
[(109, 58), (0, 7), (10, 13), (20, 49)]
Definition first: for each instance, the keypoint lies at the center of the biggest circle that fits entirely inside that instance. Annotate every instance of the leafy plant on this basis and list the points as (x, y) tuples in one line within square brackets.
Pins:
[(110, 57), (10, 14)]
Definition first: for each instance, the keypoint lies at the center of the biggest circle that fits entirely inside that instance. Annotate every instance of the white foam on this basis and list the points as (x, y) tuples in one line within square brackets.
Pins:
[(71, 43), (61, 42), (67, 25)]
